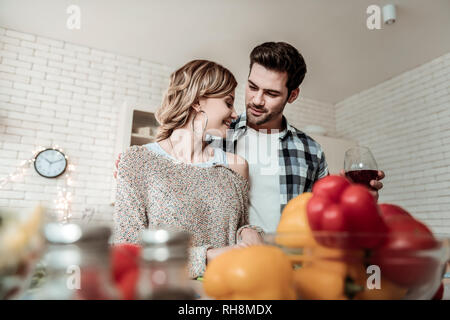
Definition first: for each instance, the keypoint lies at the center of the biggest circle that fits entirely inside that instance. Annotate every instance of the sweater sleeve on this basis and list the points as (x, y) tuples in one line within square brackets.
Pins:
[(130, 213), (197, 260)]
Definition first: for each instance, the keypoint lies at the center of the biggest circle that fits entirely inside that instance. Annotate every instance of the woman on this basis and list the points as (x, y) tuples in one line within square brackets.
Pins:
[(180, 181)]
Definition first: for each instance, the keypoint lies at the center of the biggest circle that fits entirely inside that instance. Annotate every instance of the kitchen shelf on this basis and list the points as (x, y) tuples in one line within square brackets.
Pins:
[(139, 140), (137, 135), (143, 127), (137, 126)]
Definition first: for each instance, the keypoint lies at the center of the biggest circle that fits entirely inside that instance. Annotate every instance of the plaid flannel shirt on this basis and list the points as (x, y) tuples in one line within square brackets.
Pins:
[(301, 159)]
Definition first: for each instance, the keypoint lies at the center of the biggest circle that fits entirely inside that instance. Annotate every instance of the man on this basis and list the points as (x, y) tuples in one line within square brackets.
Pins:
[(283, 161)]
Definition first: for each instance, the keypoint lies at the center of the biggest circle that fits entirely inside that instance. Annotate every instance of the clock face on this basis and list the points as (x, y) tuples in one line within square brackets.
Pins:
[(50, 163)]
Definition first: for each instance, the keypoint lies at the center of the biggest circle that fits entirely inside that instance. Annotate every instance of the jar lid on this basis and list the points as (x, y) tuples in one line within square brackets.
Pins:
[(162, 245), (58, 233), (95, 233), (61, 257), (164, 237), (68, 233), (72, 244)]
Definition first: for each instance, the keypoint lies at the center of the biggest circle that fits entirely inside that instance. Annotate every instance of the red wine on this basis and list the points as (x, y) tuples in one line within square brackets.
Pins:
[(362, 176)]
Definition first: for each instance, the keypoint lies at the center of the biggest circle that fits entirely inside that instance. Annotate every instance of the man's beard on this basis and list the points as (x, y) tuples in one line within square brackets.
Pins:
[(259, 120)]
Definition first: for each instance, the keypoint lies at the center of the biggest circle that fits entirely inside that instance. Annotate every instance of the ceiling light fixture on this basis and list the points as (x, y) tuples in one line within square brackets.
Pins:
[(389, 14)]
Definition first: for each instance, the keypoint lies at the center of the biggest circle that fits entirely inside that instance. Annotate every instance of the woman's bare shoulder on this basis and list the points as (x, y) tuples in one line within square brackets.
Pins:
[(237, 164)]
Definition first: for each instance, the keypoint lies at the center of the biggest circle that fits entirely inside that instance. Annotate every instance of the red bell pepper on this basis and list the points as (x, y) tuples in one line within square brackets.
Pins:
[(406, 257), (389, 210), (124, 259), (439, 295), (128, 285), (350, 210), (125, 268)]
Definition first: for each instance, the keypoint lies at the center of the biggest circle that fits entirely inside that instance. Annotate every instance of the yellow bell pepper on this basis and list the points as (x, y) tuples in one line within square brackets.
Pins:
[(319, 284), (328, 279), (255, 273), (326, 275), (293, 228), (387, 290), (337, 260)]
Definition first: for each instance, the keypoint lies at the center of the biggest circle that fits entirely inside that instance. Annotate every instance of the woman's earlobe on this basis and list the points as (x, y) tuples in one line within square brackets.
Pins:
[(196, 107)]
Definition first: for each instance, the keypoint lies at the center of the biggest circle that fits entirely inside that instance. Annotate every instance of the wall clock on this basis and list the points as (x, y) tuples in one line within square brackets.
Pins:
[(50, 163)]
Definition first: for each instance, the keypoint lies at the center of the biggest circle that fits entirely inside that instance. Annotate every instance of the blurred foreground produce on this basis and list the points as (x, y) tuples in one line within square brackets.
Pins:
[(252, 273), (155, 269), (294, 223), (21, 244), (339, 239), (339, 206), (125, 268), (399, 257)]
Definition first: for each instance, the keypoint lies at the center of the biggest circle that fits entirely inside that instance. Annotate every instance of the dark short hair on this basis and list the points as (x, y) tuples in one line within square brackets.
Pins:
[(282, 57)]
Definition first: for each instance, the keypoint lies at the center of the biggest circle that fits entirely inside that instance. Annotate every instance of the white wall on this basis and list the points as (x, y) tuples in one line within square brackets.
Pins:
[(406, 123), (306, 111), (56, 93)]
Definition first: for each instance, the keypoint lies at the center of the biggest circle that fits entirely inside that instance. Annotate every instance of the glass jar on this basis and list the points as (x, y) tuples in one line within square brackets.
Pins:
[(77, 264), (162, 268)]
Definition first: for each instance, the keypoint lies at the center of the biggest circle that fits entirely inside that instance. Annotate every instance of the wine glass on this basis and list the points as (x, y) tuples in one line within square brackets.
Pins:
[(360, 165)]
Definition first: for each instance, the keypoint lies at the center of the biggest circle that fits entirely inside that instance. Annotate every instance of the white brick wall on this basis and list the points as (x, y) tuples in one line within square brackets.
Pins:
[(405, 121), (56, 93), (306, 111)]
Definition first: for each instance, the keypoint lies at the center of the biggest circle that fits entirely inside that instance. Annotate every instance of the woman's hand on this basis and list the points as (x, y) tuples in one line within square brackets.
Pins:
[(211, 254), (116, 166), (250, 237)]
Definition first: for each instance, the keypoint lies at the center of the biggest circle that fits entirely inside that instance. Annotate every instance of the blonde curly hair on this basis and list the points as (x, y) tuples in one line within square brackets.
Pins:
[(196, 79)]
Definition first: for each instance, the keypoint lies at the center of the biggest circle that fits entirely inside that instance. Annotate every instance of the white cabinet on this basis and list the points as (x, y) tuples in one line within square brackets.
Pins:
[(334, 149), (137, 126), (143, 127)]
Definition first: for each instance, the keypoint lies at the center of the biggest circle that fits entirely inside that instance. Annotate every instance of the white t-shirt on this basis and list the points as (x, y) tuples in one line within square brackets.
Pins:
[(261, 152)]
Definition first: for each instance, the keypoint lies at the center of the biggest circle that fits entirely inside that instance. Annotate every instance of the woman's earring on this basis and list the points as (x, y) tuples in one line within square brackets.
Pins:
[(206, 123)]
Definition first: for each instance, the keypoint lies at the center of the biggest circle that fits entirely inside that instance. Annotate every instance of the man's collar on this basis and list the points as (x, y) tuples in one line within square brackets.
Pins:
[(242, 124), (290, 129), (242, 121)]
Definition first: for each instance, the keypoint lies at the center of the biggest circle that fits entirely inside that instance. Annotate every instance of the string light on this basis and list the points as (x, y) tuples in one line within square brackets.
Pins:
[(63, 202), (19, 172)]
